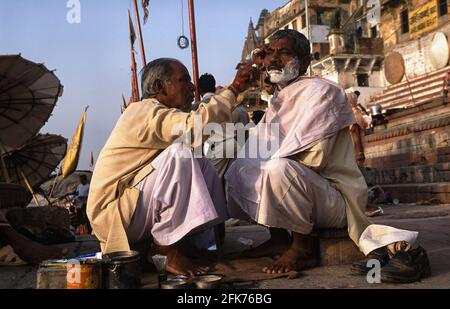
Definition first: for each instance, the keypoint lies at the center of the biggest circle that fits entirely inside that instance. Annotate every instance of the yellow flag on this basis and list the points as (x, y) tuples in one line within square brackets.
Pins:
[(73, 152)]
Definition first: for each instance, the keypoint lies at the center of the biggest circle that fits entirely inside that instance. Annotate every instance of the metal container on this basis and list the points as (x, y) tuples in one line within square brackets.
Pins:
[(208, 281), (376, 110), (176, 284), (84, 274), (121, 270), (52, 274)]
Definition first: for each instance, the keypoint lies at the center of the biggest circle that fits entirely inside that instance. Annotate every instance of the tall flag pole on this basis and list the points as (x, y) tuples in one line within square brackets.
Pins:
[(194, 48), (138, 22), (134, 82)]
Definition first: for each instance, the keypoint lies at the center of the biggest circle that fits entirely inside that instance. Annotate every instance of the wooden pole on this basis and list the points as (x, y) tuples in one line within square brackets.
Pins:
[(30, 188), (135, 95), (134, 84), (194, 48), (141, 40)]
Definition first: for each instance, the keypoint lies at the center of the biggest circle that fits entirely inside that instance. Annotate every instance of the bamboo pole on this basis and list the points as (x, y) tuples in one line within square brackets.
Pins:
[(29, 187), (141, 40), (134, 83), (194, 48)]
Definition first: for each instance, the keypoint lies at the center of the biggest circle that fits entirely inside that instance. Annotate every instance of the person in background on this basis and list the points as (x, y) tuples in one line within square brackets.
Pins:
[(357, 129), (81, 202), (446, 86), (215, 147)]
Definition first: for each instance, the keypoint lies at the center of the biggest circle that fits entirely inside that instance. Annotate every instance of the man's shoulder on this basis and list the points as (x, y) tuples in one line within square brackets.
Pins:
[(318, 82), (316, 86), (145, 108)]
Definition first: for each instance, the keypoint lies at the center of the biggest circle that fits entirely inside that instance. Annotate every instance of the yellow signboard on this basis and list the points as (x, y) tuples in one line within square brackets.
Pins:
[(423, 19)]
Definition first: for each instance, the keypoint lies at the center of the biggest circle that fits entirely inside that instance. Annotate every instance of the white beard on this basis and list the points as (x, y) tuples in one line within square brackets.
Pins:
[(288, 73)]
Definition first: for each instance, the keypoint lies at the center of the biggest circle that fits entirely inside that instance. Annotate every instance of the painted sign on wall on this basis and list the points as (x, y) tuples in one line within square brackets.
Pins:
[(423, 19)]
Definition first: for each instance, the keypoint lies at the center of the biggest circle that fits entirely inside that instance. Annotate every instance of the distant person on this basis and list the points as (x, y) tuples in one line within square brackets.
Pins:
[(81, 201), (446, 86), (82, 192), (215, 147), (357, 129), (207, 87)]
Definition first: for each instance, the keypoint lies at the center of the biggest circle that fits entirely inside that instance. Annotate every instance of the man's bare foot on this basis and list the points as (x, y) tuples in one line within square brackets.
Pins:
[(278, 243), (301, 255), (291, 259), (177, 262)]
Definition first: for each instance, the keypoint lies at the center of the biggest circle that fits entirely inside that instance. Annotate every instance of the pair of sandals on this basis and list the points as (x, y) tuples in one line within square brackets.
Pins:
[(8, 257), (402, 267)]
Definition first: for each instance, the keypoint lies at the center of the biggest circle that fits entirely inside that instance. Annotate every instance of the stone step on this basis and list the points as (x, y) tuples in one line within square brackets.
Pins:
[(412, 158), (422, 88), (435, 193), (336, 248), (434, 173)]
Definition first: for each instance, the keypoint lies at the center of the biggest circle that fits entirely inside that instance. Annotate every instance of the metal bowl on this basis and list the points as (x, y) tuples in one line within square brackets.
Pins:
[(208, 281), (176, 284)]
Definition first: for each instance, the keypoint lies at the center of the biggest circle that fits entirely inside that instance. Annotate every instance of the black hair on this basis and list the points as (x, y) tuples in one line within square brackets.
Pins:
[(207, 83), (301, 43)]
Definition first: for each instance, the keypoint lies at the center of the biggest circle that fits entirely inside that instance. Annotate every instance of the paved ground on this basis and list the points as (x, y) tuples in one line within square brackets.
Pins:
[(433, 223)]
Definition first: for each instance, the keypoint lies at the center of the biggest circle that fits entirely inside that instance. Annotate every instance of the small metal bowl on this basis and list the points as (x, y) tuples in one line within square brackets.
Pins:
[(208, 281), (176, 284)]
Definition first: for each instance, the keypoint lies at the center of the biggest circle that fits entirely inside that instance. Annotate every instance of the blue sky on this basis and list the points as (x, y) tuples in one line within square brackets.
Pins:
[(92, 58)]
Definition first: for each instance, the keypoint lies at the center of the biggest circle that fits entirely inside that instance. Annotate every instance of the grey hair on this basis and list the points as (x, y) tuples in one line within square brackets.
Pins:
[(158, 69), (301, 43)]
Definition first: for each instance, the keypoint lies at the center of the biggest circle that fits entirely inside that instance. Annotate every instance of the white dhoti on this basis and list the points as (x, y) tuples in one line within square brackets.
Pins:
[(182, 196), (285, 194)]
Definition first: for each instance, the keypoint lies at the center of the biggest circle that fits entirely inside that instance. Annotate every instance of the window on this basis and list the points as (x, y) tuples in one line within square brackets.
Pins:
[(405, 21), (373, 32), (363, 80), (319, 13), (303, 20), (294, 25), (442, 4)]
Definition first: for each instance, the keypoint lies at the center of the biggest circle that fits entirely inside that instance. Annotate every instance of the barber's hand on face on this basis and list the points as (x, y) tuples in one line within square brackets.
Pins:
[(245, 77)]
